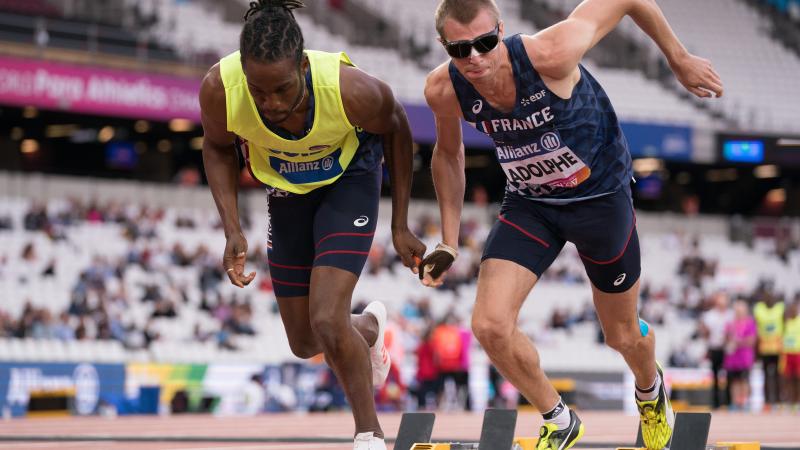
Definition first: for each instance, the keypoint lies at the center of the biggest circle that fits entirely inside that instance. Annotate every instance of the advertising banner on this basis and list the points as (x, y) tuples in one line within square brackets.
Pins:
[(658, 141), (237, 387), (230, 385), (171, 378), (89, 382), (100, 91)]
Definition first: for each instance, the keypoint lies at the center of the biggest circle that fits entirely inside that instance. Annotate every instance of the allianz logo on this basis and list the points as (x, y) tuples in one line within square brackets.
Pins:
[(84, 380)]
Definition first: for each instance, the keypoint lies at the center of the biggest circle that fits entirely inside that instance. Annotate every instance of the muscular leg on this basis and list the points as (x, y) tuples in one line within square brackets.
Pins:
[(304, 344), (345, 348), (619, 318), (503, 286)]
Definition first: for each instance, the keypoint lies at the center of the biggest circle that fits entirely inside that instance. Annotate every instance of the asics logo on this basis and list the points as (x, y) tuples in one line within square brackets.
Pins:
[(361, 221), (620, 279), (477, 107)]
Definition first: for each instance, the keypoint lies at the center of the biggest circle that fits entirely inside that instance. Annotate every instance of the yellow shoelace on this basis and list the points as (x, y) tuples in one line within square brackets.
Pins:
[(650, 416)]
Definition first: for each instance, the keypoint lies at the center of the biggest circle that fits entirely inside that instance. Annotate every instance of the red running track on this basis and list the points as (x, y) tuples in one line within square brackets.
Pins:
[(778, 429)]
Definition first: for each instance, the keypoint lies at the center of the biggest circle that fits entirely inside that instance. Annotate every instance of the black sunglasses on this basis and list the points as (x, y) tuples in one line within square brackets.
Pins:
[(483, 44)]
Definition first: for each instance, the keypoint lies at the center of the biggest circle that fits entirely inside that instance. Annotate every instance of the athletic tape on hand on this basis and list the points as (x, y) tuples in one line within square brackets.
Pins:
[(438, 261)]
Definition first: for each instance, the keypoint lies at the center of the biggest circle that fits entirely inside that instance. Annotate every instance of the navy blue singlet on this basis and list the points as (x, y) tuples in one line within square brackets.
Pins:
[(551, 149)]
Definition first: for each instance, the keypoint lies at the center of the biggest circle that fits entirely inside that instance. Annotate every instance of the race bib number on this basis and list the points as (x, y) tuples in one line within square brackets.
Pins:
[(543, 163)]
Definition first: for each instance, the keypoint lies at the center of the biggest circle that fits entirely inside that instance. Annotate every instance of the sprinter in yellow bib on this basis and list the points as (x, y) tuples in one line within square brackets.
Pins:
[(314, 129)]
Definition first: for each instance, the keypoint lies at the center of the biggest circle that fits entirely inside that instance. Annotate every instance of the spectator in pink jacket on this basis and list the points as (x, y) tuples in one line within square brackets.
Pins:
[(740, 353)]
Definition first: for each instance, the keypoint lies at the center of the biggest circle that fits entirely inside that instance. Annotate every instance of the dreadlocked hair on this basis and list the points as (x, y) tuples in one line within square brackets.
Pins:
[(270, 31)]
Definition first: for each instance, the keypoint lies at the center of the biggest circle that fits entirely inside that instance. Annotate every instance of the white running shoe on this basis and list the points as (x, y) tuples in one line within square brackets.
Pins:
[(378, 355), (368, 441)]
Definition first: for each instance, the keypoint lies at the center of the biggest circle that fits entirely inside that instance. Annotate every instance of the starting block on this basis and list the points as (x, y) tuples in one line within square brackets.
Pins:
[(691, 433), (414, 427), (497, 433), (738, 446)]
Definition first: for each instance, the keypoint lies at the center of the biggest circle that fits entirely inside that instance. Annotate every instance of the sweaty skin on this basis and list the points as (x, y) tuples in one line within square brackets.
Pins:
[(503, 285), (320, 321)]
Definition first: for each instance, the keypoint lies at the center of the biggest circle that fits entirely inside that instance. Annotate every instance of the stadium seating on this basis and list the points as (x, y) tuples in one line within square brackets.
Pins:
[(757, 62), (761, 92), (760, 75), (661, 242), (758, 72), (635, 97)]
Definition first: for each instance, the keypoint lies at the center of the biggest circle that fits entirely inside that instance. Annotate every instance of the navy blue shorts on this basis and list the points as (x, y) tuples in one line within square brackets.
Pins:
[(329, 226), (603, 229)]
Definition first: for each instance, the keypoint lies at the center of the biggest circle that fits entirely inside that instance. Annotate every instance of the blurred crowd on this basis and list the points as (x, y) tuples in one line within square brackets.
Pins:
[(99, 303), (742, 331), (761, 327)]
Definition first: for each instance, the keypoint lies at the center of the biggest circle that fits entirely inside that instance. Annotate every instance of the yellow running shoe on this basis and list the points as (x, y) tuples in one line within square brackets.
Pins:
[(657, 417), (551, 438)]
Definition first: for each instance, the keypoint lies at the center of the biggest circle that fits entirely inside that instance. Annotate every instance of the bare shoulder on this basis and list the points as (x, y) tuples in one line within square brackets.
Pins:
[(439, 92), (212, 94), (538, 49), (355, 83), (368, 101)]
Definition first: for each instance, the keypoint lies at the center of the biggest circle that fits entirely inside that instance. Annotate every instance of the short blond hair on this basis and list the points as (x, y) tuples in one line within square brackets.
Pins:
[(462, 11)]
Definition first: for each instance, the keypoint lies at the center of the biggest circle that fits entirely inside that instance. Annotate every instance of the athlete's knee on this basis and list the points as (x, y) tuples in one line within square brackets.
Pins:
[(303, 349), (328, 329), (492, 331), (620, 343), (629, 339)]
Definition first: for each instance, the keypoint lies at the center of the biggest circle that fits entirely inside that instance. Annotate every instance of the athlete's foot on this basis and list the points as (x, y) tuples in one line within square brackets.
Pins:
[(368, 441), (378, 355), (551, 438), (656, 417)]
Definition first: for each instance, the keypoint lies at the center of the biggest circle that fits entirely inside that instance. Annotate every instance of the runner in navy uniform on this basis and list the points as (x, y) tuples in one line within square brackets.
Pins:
[(568, 167)]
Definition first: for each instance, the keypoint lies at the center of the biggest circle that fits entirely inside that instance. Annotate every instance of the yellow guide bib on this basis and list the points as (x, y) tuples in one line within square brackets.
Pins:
[(791, 336), (298, 166), (770, 327)]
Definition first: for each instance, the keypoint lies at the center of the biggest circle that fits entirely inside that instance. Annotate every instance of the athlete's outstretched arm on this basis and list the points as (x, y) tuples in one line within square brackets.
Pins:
[(370, 104), (222, 170), (447, 163), (557, 50)]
